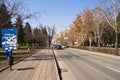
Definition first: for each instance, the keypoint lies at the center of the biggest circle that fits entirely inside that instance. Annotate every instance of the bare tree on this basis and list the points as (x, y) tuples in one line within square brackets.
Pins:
[(70, 35), (110, 10), (79, 28), (85, 25), (89, 24), (99, 21), (51, 32), (18, 7)]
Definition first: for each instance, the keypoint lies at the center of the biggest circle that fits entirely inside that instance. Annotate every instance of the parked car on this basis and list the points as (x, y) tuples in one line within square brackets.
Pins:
[(59, 47), (64, 46)]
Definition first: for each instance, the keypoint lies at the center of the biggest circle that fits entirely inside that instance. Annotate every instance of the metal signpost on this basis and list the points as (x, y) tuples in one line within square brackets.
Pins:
[(9, 43)]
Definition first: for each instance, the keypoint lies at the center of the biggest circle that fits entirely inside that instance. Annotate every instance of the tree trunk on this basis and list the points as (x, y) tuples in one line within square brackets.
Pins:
[(116, 35), (116, 42), (98, 41), (98, 35), (90, 41)]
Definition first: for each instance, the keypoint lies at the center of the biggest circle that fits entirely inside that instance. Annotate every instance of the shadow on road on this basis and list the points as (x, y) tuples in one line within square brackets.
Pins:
[(73, 57)]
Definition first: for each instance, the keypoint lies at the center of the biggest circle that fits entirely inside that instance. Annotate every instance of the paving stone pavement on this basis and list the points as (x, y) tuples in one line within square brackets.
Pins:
[(40, 66)]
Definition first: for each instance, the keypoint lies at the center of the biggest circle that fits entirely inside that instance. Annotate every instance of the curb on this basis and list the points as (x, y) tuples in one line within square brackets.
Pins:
[(65, 71), (58, 74)]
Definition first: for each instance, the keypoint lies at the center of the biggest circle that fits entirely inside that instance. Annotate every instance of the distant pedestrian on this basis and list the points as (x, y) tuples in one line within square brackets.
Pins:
[(9, 58)]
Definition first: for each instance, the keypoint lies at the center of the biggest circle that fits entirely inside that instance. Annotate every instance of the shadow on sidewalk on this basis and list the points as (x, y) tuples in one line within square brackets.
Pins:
[(29, 68), (40, 57)]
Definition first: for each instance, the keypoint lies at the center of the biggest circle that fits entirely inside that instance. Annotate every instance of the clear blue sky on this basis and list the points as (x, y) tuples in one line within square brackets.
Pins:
[(59, 12)]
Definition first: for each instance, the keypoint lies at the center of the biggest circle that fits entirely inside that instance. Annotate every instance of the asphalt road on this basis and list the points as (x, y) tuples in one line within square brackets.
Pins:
[(90, 66)]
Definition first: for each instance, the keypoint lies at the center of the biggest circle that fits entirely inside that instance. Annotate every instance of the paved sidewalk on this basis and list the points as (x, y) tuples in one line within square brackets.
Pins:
[(40, 66)]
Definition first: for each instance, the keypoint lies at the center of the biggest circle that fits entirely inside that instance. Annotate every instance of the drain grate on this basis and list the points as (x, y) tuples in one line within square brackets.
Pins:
[(64, 70)]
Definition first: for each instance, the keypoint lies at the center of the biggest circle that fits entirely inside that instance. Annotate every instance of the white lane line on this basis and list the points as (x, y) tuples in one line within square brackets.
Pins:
[(112, 69)]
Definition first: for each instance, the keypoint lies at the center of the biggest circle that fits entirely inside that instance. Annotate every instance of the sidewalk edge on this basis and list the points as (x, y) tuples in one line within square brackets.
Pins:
[(56, 66)]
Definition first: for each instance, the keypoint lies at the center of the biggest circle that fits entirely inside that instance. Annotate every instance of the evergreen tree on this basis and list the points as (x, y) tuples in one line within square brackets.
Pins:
[(36, 35), (118, 25), (44, 30), (21, 33), (39, 36), (28, 27), (118, 21), (44, 34), (109, 36), (28, 33), (5, 19)]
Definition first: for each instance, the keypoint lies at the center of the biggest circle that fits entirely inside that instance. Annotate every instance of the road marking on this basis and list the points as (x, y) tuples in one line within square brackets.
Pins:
[(112, 69)]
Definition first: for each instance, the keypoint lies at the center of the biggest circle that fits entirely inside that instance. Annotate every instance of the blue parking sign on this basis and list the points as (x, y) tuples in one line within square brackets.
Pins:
[(9, 39)]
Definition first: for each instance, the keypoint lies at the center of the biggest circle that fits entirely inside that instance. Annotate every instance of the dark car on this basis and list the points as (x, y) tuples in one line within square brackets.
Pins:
[(59, 47)]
